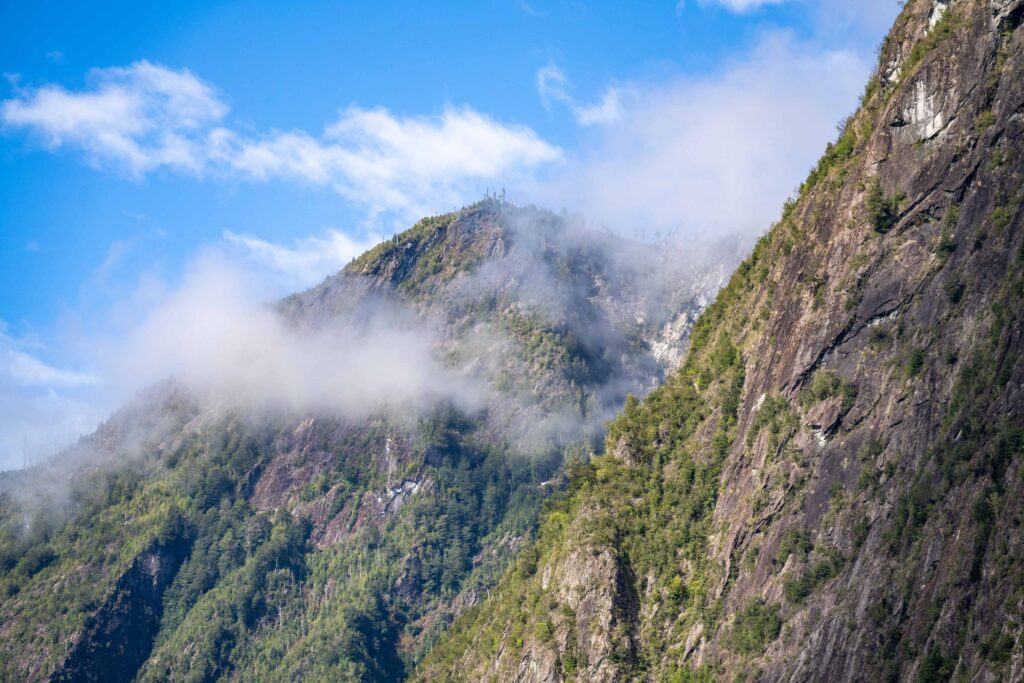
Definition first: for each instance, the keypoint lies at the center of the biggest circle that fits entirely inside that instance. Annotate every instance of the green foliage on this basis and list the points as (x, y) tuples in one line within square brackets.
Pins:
[(756, 626), (794, 542), (879, 337), (651, 517), (821, 570), (251, 586), (946, 244), (954, 290), (883, 211), (826, 384), (777, 416), (861, 529), (951, 21), (997, 647), (1001, 216), (686, 674), (914, 363), (984, 121), (836, 155), (935, 667)]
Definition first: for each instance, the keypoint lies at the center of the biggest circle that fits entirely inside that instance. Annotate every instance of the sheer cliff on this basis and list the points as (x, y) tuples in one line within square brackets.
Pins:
[(831, 485)]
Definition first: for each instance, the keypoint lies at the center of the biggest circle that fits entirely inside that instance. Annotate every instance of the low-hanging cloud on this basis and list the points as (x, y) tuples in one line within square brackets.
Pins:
[(39, 406), (234, 354), (219, 342), (716, 154), (308, 259), (146, 116)]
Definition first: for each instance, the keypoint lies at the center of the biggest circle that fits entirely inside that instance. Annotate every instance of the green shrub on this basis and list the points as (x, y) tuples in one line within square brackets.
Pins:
[(946, 245), (757, 625), (951, 20), (954, 290), (883, 211), (935, 667), (1001, 217), (914, 364), (984, 121), (795, 541), (825, 384), (828, 566), (776, 414)]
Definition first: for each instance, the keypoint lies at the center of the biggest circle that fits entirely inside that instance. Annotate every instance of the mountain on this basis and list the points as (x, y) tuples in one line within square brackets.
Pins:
[(198, 537), (830, 488)]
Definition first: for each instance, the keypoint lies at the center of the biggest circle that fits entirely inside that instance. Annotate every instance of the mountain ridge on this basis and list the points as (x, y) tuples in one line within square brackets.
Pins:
[(191, 540)]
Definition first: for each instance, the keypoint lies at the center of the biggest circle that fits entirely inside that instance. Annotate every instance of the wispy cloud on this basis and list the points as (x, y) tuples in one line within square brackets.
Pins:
[(714, 154), (18, 366), (554, 88), (146, 116), (210, 335), (308, 260)]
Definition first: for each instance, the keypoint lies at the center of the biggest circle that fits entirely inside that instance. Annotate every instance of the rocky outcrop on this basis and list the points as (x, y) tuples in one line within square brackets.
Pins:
[(118, 638), (832, 486)]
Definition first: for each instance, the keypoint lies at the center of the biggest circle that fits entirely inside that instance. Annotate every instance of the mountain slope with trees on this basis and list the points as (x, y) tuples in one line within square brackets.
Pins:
[(183, 541), (831, 485)]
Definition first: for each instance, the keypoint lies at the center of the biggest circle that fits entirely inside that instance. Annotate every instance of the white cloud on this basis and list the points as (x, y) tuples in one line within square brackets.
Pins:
[(865, 21), (237, 354), (20, 367), (308, 260), (411, 166), (215, 335), (146, 116), (607, 110), (37, 424), (141, 117), (714, 154), (39, 412), (553, 87)]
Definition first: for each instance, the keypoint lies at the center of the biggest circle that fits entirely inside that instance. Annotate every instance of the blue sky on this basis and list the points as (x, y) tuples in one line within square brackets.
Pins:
[(285, 137)]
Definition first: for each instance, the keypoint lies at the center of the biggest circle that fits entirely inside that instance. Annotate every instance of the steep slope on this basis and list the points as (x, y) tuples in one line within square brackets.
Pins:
[(831, 486), (184, 541)]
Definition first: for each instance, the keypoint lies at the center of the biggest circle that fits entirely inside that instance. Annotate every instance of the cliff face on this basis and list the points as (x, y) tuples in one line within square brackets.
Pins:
[(192, 542), (831, 487)]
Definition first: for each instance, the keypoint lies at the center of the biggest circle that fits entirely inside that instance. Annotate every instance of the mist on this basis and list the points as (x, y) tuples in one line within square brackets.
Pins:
[(712, 155), (237, 355), (220, 339)]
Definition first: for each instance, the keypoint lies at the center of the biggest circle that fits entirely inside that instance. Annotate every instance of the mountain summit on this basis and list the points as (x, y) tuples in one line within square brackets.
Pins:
[(201, 534)]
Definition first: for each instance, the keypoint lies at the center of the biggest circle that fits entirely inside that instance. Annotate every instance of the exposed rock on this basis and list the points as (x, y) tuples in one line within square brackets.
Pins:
[(870, 535)]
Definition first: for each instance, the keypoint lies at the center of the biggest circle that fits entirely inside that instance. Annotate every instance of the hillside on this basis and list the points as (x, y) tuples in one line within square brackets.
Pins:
[(830, 487), (187, 541)]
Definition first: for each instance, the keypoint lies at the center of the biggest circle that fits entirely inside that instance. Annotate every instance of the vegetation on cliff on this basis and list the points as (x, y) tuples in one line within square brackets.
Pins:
[(830, 487)]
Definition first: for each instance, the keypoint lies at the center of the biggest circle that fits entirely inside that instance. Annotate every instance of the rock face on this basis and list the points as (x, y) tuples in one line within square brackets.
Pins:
[(326, 548), (832, 485), (118, 638)]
